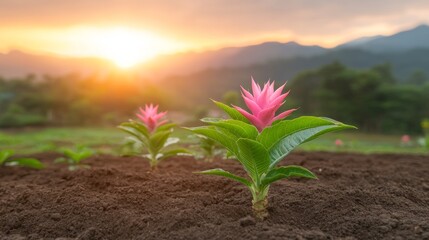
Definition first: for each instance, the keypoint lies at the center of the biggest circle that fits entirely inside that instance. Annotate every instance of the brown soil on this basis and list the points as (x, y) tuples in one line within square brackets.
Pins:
[(356, 197)]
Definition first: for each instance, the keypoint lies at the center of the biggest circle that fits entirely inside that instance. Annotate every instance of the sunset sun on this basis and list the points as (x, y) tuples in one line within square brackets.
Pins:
[(127, 47), (124, 46)]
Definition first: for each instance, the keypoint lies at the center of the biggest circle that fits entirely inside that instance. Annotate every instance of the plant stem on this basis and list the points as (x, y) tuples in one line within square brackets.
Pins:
[(153, 162), (260, 203)]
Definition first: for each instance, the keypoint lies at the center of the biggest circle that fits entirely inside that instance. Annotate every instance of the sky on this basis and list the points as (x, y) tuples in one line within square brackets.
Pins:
[(81, 27)]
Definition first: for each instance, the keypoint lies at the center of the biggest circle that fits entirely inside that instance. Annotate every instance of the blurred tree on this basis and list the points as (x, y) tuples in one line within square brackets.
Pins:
[(385, 72), (417, 78)]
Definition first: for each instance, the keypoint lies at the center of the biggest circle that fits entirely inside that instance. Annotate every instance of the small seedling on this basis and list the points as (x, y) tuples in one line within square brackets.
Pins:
[(208, 146), (153, 135), (6, 159), (74, 157), (260, 140)]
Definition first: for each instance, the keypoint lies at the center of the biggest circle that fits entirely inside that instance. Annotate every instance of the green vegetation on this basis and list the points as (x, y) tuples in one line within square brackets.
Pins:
[(370, 99), (373, 99), (74, 157), (208, 147), (25, 141), (260, 140), (7, 159), (155, 144), (109, 141)]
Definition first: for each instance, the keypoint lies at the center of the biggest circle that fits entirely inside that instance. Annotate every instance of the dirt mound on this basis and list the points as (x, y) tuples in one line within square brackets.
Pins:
[(356, 197)]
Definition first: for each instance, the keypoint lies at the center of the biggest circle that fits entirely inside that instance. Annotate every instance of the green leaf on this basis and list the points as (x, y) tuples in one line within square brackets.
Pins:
[(173, 152), (165, 127), (4, 155), (218, 136), (171, 141), (78, 154), (140, 127), (236, 127), (69, 153), (232, 112), (158, 140), (28, 162), (137, 130), (254, 157), (286, 135), (223, 173), (287, 172), (83, 154)]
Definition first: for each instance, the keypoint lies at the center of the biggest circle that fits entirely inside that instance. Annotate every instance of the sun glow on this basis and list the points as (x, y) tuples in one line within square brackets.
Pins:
[(124, 46)]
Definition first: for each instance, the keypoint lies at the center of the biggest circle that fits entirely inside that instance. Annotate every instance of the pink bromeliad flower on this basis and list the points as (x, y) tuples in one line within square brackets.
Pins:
[(405, 139), (151, 117), (263, 104), (339, 143)]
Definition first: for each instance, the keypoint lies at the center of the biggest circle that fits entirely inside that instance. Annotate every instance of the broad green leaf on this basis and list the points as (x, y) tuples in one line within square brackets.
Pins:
[(28, 162), (140, 127), (4, 155), (158, 140), (132, 130), (223, 173), (83, 154), (232, 112), (70, 154), (286, 135), (173, 152), (254, 157), (78, 154), (236, 127), (165, 127), (171, 141), (287, 172), (218, 136)]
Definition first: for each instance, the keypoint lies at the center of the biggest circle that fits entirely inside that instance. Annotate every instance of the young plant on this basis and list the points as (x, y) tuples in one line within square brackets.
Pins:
[(208, 146), (425, 126), (153, 134), (74, 157), (7, 160), (261, 139)]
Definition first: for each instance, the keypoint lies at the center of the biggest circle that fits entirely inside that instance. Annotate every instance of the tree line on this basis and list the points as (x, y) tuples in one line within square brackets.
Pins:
[(372, 99)]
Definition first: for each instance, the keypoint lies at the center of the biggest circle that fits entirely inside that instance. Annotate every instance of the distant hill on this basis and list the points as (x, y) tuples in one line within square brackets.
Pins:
[(212, 83), (358, 42), (415, 38), (186, 63), (404, 50)]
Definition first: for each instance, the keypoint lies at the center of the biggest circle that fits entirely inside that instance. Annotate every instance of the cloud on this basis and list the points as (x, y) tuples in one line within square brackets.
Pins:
[(226, 21)]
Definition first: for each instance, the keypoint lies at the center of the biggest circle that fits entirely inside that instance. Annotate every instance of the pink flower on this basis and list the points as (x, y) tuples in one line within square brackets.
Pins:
[(263, 104), (339, 143), (406, 139), (151, 117)]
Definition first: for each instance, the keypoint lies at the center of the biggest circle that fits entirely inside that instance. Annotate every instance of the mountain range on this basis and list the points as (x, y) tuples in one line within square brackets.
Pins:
[(407, 51)]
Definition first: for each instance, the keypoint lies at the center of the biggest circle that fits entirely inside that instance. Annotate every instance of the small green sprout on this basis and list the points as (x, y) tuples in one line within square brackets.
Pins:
[(74, 157), (152, 135), (7, 160), (425, 126), (208, 146)]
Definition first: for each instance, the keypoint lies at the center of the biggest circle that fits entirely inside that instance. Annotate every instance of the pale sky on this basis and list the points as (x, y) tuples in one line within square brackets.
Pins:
[(66, 27)]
